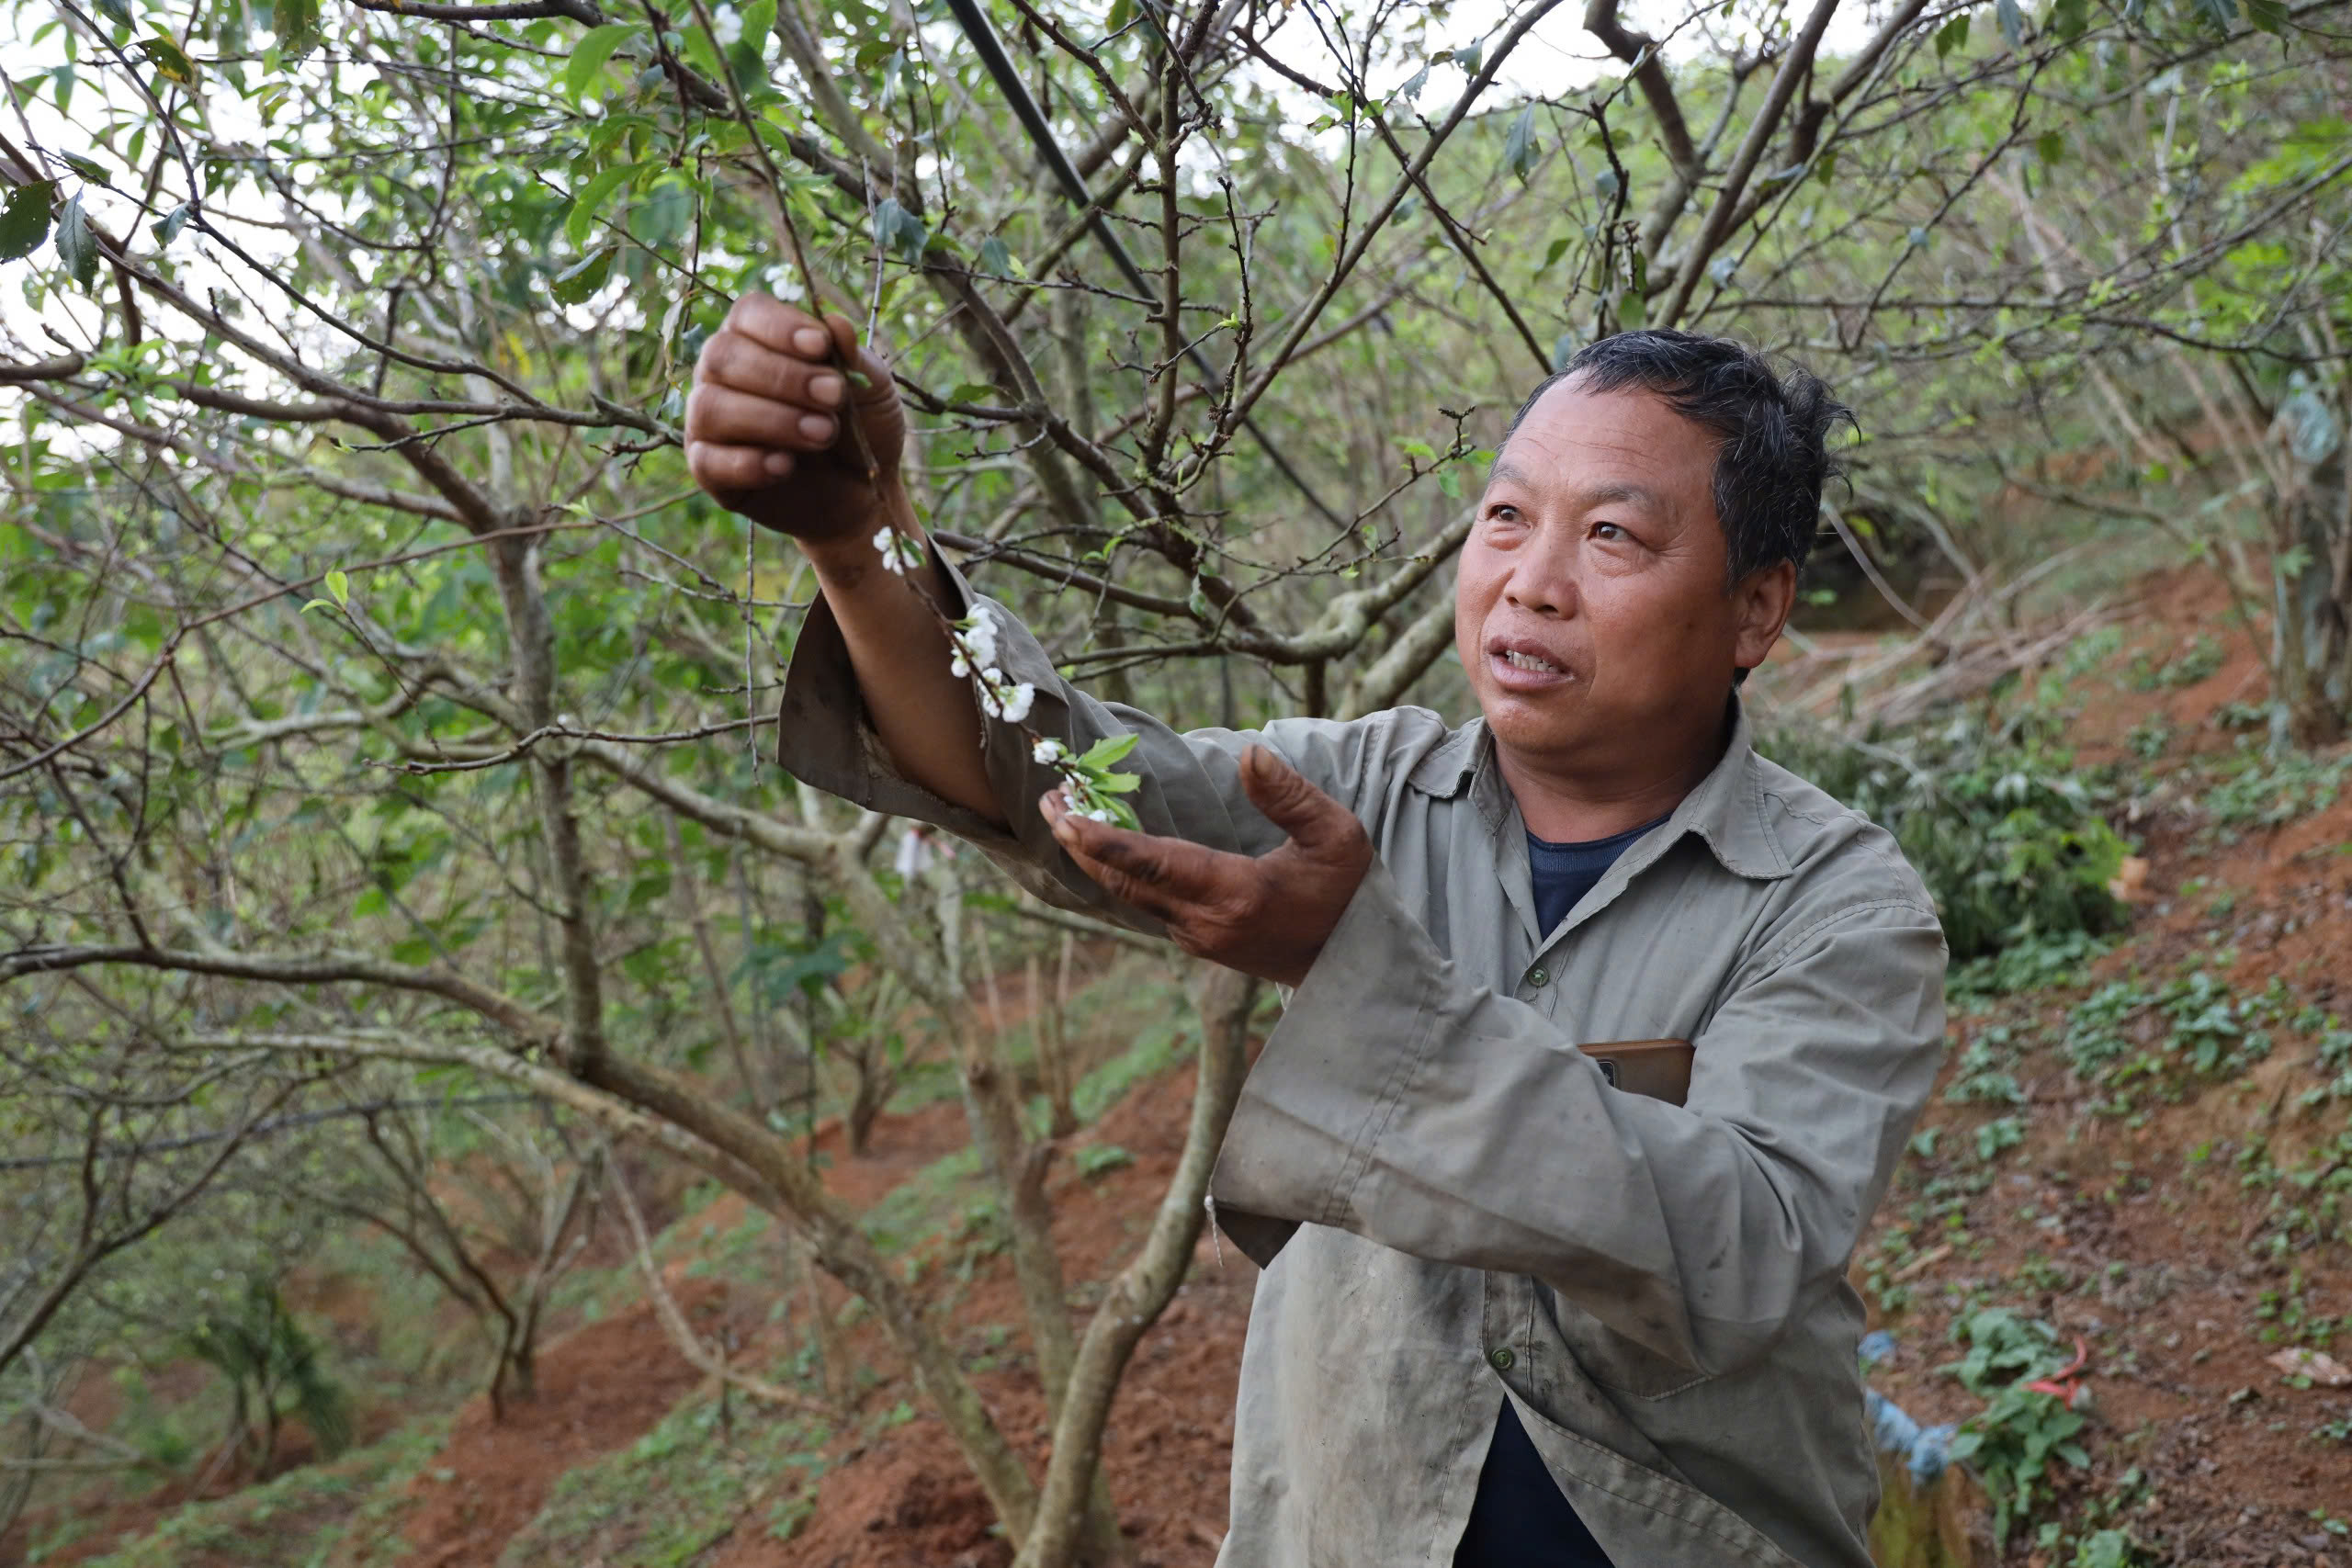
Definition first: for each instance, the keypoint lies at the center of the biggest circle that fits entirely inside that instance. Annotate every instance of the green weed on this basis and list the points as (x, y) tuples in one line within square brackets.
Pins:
[(2125, 1034), (1998, 822), (664, 1500), (298, 1520), (2200, 661), (2041, 961), (2261, 791), (2013, 1439)]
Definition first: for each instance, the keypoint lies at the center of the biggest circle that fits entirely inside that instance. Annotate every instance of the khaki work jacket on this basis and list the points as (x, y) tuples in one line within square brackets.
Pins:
[(1451, 1206)]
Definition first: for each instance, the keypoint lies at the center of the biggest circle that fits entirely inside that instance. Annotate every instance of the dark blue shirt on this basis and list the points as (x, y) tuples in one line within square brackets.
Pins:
[(1518, 1518)]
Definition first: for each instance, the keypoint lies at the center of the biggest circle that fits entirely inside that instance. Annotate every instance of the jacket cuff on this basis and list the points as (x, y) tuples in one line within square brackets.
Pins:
[(1333, 1075)]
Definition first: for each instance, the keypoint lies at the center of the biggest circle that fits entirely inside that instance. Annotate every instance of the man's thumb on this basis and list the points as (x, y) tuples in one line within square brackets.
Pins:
[(1281, 792)]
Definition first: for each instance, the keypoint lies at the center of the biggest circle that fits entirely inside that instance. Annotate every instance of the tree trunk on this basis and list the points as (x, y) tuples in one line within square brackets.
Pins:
[(2312, 585), (1143, 1289), (875, 1080)]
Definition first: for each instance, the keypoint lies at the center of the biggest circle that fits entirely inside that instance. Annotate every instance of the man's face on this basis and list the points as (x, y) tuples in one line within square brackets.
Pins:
[(1590, 611)]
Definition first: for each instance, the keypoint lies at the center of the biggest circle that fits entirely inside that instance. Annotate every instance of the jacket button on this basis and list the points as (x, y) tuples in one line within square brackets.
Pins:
[(1539, 976), (1501, 1358)]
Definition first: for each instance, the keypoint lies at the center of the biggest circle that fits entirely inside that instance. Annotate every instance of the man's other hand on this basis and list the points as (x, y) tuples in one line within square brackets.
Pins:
[(1267, 915), (764, 423)]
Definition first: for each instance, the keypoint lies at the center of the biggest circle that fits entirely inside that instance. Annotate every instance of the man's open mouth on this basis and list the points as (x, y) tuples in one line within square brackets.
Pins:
[(1529, 662)]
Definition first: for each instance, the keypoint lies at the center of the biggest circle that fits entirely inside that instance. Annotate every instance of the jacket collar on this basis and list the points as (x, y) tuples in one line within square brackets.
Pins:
[(1727, 811)]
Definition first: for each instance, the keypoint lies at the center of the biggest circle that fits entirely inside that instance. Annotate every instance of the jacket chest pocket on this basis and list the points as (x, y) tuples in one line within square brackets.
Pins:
[(1615, 1362)]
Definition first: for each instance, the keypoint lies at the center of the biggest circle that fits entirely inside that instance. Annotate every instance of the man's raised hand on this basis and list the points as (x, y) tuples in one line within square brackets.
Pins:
[(1267, 915), (764, 423)]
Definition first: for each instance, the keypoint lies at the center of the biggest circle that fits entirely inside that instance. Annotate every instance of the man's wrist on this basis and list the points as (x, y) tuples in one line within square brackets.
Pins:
[(843, 558)]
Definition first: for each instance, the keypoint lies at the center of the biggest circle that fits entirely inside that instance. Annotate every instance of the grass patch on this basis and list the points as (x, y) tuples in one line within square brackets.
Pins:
[(301, 1519), (686, 1485), (923, 1204), (2257, 790)]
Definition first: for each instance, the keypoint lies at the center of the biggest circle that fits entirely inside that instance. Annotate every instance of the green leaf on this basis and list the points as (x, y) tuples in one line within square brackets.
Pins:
[(1411, 89), (1468, 56), (1552, 253), (2218, 14), (318, 604), (118, 11), (2050, 147), (974, 392), (298, 25), (897, 229), (166, 56), (1119, 783), (702, 51), (1519, 147), (590, 53), (759, 21), (89, 169), (24, 220), (2266, 15), (339, 584), (578, 282), (1952, 34), (1108, 750), (77, 247), (1121, 13), (167, 228), (591, 198), (997, 259), (2012, 22)]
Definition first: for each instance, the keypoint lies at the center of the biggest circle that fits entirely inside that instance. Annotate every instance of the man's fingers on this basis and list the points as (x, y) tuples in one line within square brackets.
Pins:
[(738, 360), (1289, 801), (740, 419), (787, 329), (1126, 889), (725, 470), (1167, 871)]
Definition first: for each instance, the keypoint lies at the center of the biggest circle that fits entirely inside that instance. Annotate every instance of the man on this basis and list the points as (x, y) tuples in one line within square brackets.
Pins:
[(1510, 1314)]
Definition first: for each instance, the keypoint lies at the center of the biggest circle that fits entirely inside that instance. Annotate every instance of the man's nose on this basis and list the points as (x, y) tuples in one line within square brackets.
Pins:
[(1543, 574)]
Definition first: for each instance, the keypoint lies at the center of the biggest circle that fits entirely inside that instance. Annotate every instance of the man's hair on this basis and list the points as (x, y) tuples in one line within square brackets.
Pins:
[(1775, 428)]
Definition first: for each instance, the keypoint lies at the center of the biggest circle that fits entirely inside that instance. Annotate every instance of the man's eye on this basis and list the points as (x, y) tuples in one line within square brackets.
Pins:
[(1610, 531), (1503, 511)]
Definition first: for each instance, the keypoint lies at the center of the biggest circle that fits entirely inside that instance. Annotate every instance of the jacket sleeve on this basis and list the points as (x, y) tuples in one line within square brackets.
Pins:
[(1192, 786), (1401, 1103)]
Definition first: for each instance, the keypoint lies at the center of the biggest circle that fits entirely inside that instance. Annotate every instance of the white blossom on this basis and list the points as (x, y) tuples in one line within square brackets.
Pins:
[(975, 645), (727, 25), (1009, 701), (1049, 751), (886, 541)]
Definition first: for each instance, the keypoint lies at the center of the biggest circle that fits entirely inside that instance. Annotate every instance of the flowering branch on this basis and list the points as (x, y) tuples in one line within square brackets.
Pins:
[(1092, 789)]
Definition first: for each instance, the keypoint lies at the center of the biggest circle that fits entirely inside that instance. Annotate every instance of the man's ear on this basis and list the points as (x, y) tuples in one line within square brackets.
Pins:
[(1760, 604)]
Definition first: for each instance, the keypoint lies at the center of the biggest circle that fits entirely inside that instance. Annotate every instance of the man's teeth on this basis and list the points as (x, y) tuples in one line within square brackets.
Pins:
[(1519, 660)]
